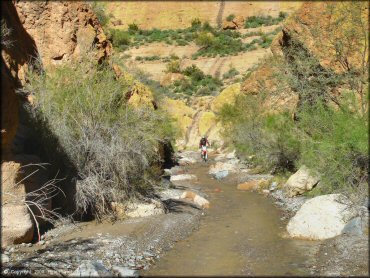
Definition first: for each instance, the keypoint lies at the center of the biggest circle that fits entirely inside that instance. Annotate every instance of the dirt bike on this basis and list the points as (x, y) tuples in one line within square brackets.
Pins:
[(204, 153)]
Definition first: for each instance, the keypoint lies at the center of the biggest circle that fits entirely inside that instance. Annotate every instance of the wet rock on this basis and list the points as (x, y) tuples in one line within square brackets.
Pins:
[(125, 271), (91, 269), (300, 182), (200, 201), (186, 161), (183, 177), (195, 198), (144, 209), (188, 157), (177, 170), (252, 185), (221, 174), (221, 167), (170, 194), (273, 186), (322, 217), (249, 185)]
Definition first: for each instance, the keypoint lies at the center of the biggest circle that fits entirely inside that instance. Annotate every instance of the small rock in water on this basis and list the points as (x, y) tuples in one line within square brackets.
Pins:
[(125, 271), (29, 244), (41, 242), (222, 174), (273, 186), (183, 177)]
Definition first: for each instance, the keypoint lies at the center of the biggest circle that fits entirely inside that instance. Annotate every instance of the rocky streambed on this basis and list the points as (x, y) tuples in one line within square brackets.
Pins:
[(209, 226)]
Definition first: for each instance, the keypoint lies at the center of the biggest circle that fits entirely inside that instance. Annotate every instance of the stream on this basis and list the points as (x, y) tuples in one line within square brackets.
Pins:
[(241, 234)]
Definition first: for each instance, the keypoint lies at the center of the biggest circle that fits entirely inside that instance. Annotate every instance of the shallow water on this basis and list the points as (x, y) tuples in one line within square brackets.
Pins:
[(241, 234)]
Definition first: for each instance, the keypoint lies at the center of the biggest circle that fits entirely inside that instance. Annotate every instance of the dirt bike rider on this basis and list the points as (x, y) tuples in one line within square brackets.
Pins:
[(203, 143)]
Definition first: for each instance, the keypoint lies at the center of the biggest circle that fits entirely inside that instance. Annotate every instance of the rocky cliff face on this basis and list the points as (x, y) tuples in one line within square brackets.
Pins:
[(335, 33), (333, 36), (63, 31), (46, 33), (42, 35)]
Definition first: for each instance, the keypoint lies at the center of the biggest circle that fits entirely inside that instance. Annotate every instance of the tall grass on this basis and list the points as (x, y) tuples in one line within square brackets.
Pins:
[(111, 145)]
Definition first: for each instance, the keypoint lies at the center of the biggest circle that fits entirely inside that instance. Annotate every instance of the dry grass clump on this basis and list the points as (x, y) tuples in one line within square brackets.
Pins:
[(110, 144)]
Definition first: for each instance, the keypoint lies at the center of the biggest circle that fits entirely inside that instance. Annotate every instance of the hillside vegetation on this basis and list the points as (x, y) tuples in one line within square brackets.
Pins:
[(329, 130)]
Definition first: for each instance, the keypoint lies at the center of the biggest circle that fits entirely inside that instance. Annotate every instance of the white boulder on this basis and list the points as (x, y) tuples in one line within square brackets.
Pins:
[(183, 177), (322, 217), (300, 182)]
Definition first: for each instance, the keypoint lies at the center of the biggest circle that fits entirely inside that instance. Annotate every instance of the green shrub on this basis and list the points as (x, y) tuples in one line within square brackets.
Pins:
[(336, 146), (152, 58), (133, 28), (265, 41), (331, 142), (205, 39), (120, 38), (111, 145), (196, 24), (230, 74), (207, 27), (257, 21), (271, 138), (99, 10), (194, 73), (283, 15), (230, 17), (173, 66)]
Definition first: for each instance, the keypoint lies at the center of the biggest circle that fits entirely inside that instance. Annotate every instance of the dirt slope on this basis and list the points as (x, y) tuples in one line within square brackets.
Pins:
[(179, 14)]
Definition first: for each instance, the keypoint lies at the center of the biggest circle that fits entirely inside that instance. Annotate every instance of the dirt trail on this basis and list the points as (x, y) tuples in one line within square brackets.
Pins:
[(241, 234)]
